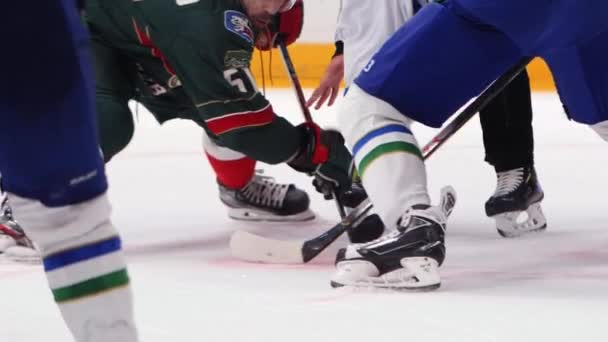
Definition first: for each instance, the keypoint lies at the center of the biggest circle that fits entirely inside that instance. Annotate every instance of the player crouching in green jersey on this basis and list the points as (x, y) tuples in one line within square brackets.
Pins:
[(190, 59)]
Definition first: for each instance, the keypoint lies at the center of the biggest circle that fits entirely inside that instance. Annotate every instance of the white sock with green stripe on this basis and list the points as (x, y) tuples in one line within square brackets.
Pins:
[(85, 266), (386, 153)]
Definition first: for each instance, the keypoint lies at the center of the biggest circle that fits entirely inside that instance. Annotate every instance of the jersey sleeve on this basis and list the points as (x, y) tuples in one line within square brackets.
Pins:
[(340, 26), (360, 42), (213, 66)]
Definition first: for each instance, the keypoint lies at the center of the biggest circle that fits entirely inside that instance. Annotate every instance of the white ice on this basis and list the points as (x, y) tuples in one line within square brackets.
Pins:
[(551, 286)]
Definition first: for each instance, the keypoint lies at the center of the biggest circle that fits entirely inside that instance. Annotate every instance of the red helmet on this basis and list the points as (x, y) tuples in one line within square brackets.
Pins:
[(287, 23)]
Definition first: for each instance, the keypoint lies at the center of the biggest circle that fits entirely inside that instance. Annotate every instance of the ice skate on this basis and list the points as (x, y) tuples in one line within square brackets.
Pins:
[(263, 199), (515, 205), (407, 258), (14, 244)]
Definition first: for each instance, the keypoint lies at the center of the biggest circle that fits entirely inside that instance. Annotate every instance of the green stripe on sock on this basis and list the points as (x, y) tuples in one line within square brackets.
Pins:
[(92, 286), (397, 146)]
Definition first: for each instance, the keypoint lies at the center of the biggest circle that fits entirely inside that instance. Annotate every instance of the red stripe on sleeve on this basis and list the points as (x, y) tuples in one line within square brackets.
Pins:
[(230, 122)]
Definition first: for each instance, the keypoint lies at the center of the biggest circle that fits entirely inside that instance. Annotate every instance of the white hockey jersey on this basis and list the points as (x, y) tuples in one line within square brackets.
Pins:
[(364, 25)]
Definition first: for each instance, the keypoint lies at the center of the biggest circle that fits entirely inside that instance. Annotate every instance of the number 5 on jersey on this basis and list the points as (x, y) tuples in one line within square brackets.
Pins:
[(241, 79)]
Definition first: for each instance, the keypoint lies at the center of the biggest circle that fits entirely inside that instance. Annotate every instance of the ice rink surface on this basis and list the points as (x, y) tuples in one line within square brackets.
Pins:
[(549, 287)]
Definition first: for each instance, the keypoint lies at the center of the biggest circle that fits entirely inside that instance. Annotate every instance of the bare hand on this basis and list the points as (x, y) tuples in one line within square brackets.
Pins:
[(330, 84)]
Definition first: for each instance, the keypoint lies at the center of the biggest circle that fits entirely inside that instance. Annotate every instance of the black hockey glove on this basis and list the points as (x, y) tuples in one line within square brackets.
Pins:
[(324, 156)]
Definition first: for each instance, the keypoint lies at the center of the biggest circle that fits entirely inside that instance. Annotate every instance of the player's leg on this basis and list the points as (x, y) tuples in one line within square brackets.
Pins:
[(251, 196), (425, 72), (248, 196), (114, 87), (50, 162), (115, 130), (509, 144)]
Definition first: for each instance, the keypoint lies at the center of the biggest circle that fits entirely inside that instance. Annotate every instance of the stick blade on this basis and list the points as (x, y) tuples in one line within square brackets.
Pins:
[(254, 248)]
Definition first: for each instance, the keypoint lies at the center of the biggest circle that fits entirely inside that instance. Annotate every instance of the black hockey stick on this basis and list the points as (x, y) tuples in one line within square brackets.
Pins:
[(474, 107), (297, 86), (255, 248)]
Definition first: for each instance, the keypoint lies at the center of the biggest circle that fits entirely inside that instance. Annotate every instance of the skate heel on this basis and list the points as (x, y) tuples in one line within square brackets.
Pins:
[(418, 273)]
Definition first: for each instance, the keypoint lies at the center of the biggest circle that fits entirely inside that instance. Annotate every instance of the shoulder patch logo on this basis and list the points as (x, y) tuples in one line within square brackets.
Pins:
[(238, 23)]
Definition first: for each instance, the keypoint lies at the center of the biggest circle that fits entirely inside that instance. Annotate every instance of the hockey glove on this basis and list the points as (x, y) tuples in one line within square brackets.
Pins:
[(286, 24), (324, 156)]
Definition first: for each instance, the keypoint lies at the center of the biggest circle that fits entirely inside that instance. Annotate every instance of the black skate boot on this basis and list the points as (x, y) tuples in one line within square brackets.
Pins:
[(262, 199), (14, 244), (369, 227), (515, 205), (407, 258)]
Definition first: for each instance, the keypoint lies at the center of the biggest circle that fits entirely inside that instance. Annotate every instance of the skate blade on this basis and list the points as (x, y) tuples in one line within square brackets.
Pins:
[(517, 223), (429, 288), (251, 214), (418, 274)]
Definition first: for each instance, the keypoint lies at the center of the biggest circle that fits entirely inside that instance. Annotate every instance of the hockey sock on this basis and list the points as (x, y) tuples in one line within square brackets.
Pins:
[(386, 153), (233, 174), (232, 169), (84, 265)]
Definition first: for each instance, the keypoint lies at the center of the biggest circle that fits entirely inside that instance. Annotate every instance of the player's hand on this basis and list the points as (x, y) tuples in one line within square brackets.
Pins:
[(324, 156), (330, 84)]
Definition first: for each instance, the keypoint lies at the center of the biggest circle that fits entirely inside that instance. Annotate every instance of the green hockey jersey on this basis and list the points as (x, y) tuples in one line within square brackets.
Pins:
[(188, 59)]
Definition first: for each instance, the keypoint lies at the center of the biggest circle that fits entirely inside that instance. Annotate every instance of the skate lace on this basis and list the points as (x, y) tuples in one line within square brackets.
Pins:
[(508, 181), (265, 191)]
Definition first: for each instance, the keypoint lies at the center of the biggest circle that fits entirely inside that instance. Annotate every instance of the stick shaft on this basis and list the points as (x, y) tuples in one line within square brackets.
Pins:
[(474, 107), (295, 81)]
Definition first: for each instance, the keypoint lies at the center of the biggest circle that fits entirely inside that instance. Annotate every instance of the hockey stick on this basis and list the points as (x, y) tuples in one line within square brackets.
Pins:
[(297, 86), (251, 247), (474, 107)]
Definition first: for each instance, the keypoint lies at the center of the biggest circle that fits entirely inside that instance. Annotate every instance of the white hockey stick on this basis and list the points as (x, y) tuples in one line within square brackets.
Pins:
[(250, 247)]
